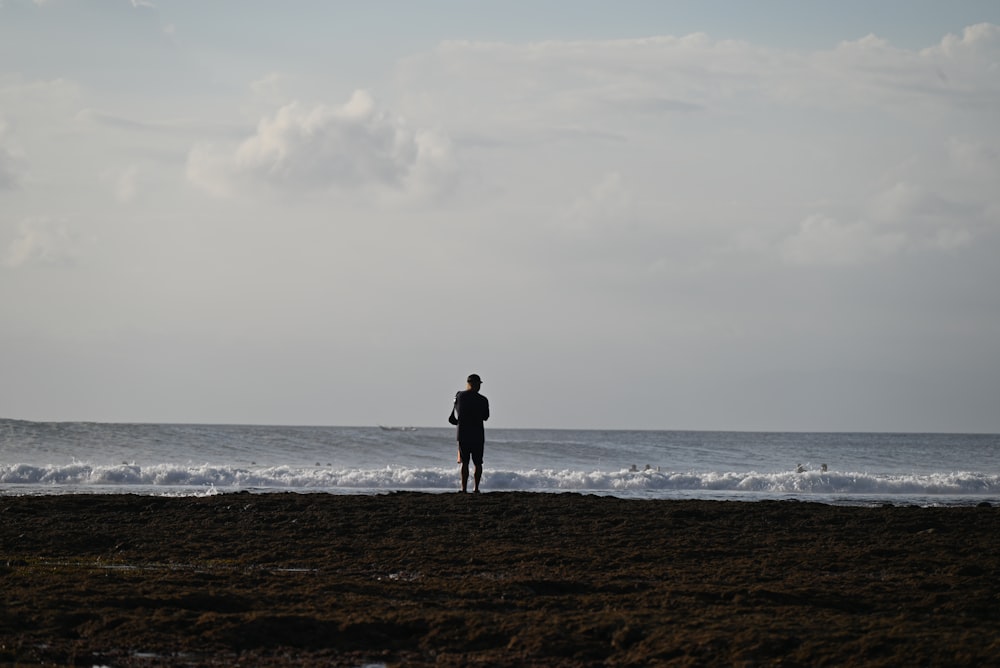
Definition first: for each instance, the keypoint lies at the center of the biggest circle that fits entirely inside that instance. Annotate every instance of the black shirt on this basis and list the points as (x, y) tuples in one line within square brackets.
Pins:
[(472, 410)]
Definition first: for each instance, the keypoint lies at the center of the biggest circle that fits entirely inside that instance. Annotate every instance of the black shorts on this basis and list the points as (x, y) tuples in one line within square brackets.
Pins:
[(475, 451)]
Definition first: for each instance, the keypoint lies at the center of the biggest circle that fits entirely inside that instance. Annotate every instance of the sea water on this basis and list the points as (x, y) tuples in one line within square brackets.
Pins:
[(176, 459)]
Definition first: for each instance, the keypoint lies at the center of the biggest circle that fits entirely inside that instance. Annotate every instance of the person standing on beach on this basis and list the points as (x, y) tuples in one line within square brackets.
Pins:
[(472, 410)]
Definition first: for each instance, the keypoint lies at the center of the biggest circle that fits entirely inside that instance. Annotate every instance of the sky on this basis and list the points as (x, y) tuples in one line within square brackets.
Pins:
[(780, 215)]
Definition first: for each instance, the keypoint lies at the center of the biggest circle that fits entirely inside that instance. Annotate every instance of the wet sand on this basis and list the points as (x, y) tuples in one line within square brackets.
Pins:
[(493, 580)]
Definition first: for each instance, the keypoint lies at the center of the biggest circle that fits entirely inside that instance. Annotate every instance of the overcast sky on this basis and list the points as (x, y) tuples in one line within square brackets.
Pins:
[(777, 215)]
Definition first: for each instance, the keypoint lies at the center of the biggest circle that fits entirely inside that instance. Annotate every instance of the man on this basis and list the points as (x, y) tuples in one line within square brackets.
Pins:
[(472, 409)]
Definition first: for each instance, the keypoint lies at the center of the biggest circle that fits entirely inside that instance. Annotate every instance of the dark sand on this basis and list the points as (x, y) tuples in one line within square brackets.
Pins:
[(491, 580)]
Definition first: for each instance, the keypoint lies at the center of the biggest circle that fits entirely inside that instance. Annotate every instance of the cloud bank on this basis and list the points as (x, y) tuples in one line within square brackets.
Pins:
[(686, 231)]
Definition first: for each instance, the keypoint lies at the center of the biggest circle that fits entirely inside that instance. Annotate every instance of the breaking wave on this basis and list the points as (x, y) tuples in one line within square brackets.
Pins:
[(653, 483)]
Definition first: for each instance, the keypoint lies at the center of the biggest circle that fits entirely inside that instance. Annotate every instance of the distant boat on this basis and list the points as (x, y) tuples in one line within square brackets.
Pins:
[(384, 428)]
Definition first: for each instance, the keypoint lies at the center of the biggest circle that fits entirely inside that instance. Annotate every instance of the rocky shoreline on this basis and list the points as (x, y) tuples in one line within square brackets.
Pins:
[(492, 580)]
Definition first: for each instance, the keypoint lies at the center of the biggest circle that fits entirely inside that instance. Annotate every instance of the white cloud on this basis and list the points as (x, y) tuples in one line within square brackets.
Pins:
[(41, 241), (824, 241), (356, 145), (903, 218), (608, 83), (930, 220), (982, 38), (349, 145), (959, 71), (730, 138), (572, 84), (434, 170)]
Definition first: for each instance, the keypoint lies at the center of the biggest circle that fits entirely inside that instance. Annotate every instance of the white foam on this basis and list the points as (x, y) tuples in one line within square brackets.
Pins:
[(648, 482)]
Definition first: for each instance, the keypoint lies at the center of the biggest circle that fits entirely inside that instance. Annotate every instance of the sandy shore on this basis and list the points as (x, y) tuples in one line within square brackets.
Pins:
[(495, 579)]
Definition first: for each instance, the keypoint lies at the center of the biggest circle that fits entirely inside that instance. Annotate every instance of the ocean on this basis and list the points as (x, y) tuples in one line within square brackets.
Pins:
[(188, 460)]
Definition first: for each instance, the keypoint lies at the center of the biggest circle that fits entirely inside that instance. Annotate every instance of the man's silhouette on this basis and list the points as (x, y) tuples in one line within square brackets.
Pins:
[(472, 410)]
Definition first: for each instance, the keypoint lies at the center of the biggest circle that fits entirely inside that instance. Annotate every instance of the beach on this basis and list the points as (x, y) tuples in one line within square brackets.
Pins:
[(513, 578)]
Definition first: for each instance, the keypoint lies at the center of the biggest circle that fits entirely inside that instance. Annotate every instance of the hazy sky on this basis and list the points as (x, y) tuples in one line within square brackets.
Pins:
[(779, 215)]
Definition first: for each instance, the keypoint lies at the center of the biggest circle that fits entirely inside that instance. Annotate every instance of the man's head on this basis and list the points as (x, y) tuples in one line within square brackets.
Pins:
[(474, 381)]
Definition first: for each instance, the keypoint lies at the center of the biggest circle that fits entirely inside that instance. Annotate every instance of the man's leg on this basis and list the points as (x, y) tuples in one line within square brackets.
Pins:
[(465, 474), (476, 454)]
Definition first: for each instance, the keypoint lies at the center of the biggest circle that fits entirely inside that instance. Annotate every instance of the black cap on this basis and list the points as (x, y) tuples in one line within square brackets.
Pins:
[(474, 379)]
